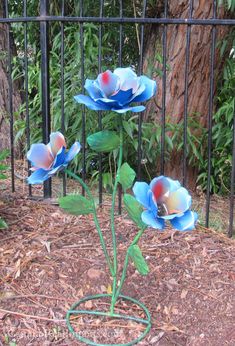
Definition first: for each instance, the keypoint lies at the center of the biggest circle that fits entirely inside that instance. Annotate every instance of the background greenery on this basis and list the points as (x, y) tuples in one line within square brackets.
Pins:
[(197, 140)]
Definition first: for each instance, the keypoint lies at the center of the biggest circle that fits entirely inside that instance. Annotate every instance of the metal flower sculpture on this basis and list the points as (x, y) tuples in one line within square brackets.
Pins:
[(47, 160), (165, 199), (116, 91)]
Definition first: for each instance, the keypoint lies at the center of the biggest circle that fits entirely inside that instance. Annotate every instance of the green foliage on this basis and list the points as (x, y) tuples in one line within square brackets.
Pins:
[(126, 176), (138, 259), (222, 134), (230, 4), (103, 141), (134, 210), (76, 205)]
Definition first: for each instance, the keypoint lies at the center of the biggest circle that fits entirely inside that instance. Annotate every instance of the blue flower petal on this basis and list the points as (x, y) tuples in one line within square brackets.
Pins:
[(40, 156), (122, 97), (129, 109), (151, 203), (87, 100), (185, 222), (171, 216), (148, 218), (128, 78), (38, 176), (150, 89), (73, 151), (168, 184), (92, 89), (60, 158), (108, 103), (140, 190), (56, 170), (108, 82), (57, 141), (178, 201)]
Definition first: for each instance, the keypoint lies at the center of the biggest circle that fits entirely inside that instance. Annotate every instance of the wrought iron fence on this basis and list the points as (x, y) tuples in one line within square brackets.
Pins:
[(44, 20)]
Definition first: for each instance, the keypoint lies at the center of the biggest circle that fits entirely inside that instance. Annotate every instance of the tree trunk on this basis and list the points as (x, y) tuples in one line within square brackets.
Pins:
[(4, 88), (199, 66)]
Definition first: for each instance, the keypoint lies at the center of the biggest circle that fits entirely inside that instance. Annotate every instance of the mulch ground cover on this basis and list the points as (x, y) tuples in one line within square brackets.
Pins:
[(49, 260)]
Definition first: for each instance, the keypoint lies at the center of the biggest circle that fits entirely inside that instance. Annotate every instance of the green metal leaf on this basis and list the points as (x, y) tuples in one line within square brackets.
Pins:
[(126, 176), (134, 210), (103, 141), (3, 224), (76, 205), (138, 259)]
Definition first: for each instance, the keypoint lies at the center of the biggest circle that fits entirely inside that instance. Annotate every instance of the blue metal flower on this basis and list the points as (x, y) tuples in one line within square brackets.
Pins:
[(47, 160), (165, 199), (115, 91)]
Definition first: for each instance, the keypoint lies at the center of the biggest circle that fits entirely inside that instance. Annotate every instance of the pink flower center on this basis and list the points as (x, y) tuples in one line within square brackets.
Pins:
[(105, 77), (158, 190)]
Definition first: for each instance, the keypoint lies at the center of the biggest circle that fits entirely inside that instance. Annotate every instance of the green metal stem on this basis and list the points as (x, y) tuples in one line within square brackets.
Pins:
[(75, 311), (115, 264), (102, 241), (134, 242)]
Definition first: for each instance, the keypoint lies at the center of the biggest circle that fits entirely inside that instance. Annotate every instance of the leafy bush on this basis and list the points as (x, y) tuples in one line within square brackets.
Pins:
[(222, 134)]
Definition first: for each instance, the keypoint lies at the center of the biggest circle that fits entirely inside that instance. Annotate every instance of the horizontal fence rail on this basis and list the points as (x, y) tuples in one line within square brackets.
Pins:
[(140, 23), (120, 20)]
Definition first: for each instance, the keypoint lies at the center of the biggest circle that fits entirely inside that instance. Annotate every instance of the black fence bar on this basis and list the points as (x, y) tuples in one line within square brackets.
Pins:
[(10, 101), (100, 113), (163, 118), (231, 207), (83, 107), (26, 86), (186, 75), (45, 82), (120, 35), (209, 152), (123, 20), (62, 85), (120, 64), (140, 70)]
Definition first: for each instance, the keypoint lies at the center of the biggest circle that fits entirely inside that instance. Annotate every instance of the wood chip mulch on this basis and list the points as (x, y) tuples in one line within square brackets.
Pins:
[(49, 260)]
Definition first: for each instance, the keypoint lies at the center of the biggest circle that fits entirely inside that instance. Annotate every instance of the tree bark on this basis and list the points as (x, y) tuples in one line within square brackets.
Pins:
[(4, 87), (199, 65)]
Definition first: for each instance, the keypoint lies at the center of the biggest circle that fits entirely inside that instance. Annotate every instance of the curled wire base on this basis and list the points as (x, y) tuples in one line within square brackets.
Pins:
[(74, 311)]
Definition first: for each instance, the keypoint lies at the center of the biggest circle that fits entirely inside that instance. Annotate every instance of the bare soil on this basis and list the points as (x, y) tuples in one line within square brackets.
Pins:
[(49, 260)]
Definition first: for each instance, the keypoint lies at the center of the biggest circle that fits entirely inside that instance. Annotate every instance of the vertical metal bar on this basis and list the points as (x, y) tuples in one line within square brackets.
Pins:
[(83, 90), (212, 66), (62, 85), (120, 64), (186, 72), (140, 120), (231, 207), (26, 86), (163, 120), (100, 113), (45, 82), (120, 35), (10, 101)]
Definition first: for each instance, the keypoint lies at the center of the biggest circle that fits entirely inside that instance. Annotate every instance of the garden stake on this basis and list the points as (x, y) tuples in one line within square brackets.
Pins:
[(163, 199)]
